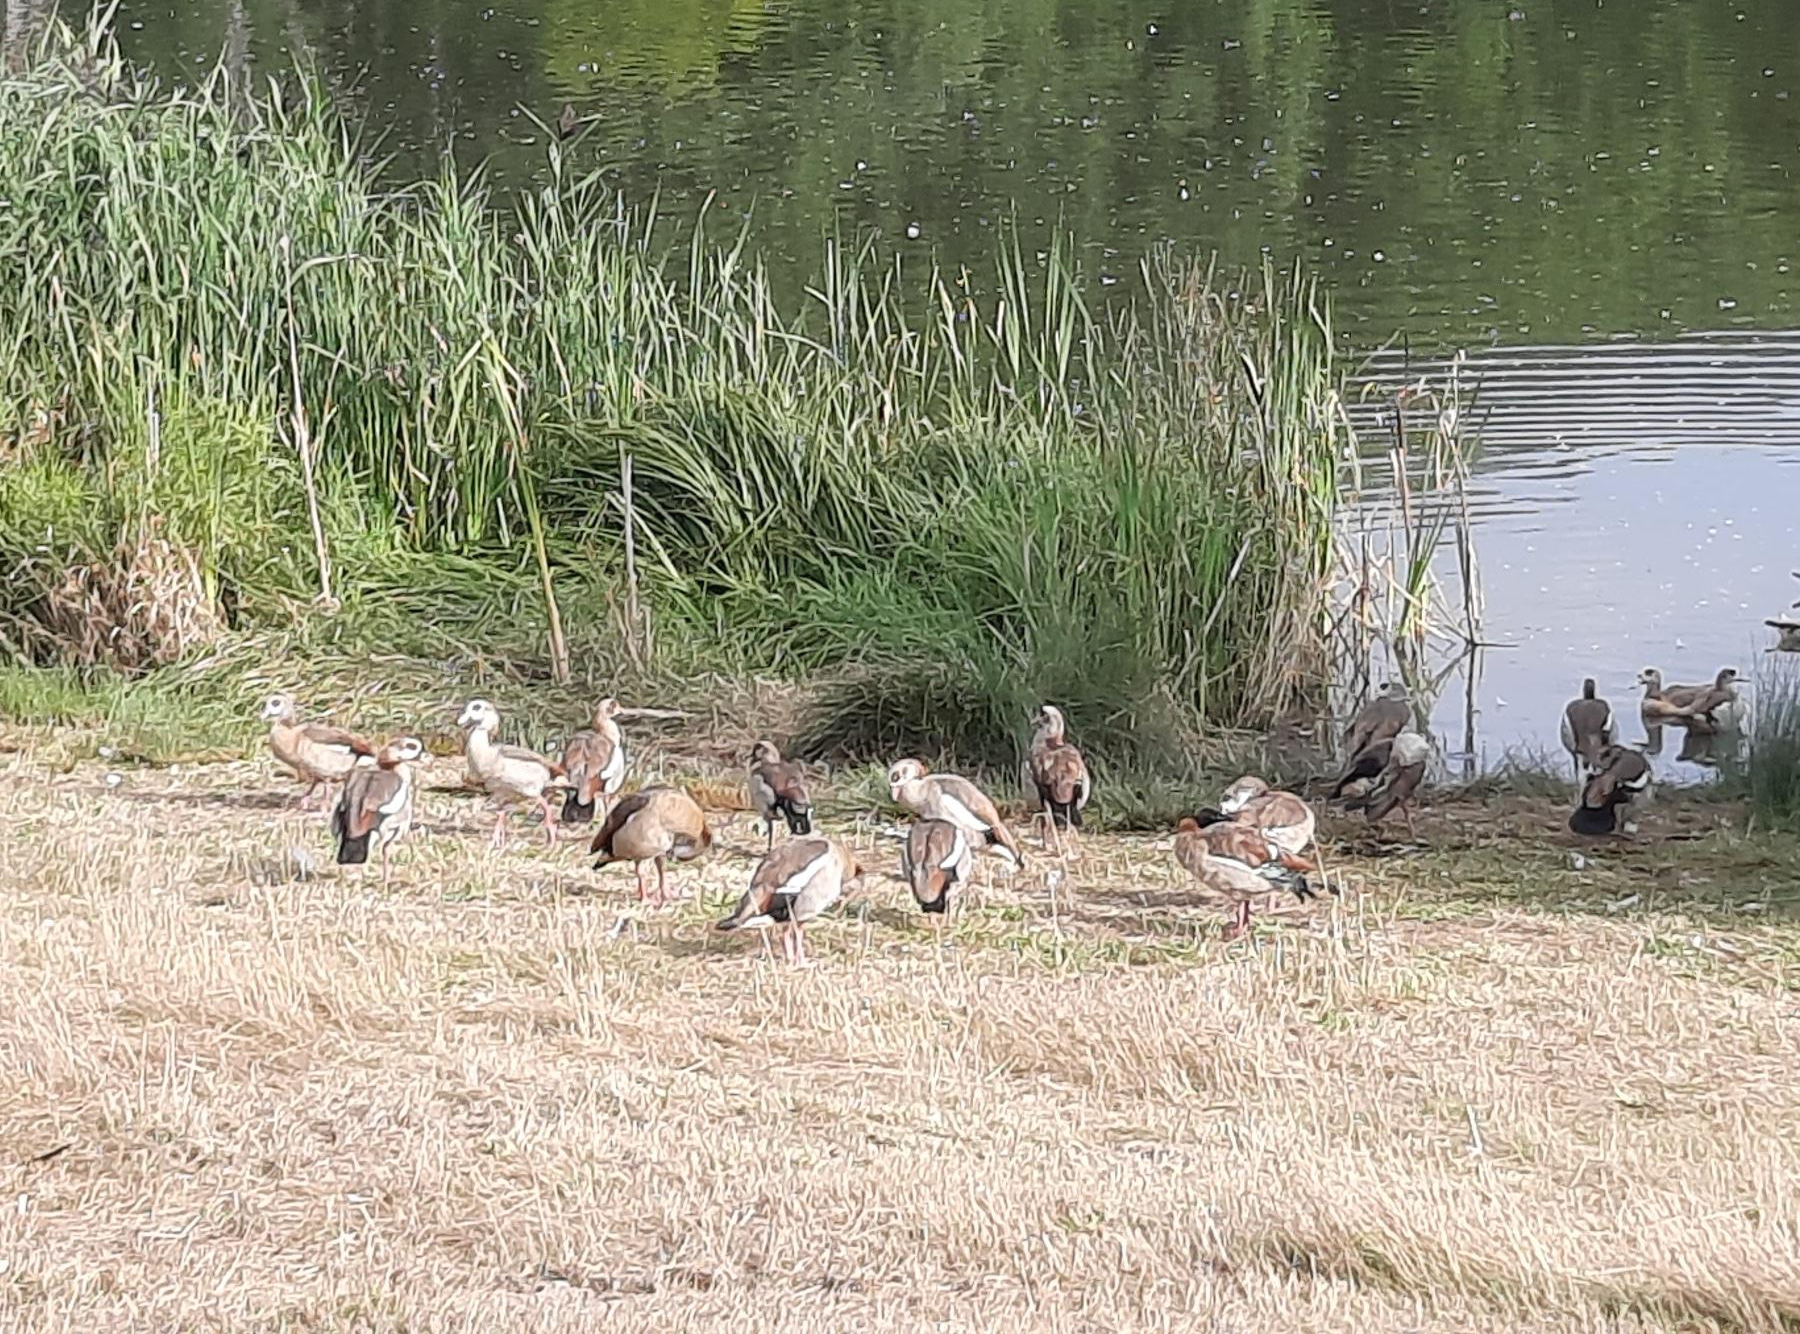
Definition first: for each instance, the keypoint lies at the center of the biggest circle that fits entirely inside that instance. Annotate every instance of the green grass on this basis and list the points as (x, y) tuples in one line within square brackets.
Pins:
[(1770, 777), (244, 379)]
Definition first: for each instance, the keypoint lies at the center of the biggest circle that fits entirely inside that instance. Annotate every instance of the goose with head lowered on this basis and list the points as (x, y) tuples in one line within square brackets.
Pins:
[(318, 752), (649, 826), (1621, 775), (792, 885), (935, 859), (1366, 740), (1239, 862), (778, 788), (377, 805), (1588, 727), (1398, 782), (594, 763), (509, 773), (1058, 773), (956, 800)]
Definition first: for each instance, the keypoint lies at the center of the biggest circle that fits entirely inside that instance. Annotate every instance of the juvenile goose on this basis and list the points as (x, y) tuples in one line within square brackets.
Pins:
[(1620, 775), (1587, 729), (935, 859), (1058, 772), (648, 826), (1284, 819), (377, 805), (594, 760), (509, 773), (790, 887), (317, 752), (1237, 861), (957, 800), (1380, 720), (1397, 783), (778, 787)]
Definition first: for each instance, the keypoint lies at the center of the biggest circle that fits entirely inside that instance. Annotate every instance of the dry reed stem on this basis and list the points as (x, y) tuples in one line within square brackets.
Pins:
[(499, 1095)]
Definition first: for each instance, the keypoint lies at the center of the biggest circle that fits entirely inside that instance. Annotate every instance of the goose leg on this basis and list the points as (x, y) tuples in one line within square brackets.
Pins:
[(662, 895), (770, 823), (638, 871), (384, 866), (499, 839), (800, 959), (1406, 810), (549, 819)]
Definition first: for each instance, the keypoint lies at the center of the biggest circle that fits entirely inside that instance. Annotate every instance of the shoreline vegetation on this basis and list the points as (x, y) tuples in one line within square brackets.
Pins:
[(260, 405)]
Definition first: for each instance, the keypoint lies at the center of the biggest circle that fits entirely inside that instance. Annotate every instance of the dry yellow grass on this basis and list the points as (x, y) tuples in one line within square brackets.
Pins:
[(498, 1096)]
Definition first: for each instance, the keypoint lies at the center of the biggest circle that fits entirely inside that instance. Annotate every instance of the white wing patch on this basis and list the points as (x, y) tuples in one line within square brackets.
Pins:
[(614, 772), (958, 814), (958, 851), (796, 884)]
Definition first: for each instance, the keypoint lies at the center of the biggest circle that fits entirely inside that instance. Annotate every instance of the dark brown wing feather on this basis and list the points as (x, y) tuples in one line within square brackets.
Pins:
[(1402, 785), (1058, 772), (1239, 842), (324, 734), (373, 789), (615, 821), (584, 760)]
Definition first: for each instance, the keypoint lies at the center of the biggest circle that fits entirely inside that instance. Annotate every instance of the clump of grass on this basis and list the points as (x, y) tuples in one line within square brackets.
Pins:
[(326, 388), (1770, 777)]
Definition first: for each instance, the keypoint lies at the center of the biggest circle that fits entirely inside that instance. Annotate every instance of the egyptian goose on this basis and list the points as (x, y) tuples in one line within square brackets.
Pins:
[(1666, 703), (950, 797), (1378, 721), (317, 752), (1284, 819), (1362, 769), (935, 859), (1398, 781), (509, 773), (1058, 772), (1789, 639), (1588, 727), (790, 887), (377, 805), (1718, 705), (648, 826), (778, 787), (1620, 775), (594, 761), (1239, 862)]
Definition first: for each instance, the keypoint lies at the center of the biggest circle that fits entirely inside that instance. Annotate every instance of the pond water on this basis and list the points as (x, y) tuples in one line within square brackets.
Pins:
[(1596, 200)]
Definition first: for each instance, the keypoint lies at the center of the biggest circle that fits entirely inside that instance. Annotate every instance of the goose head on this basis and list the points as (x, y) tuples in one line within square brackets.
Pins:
[(605, 709), (479, 716), (1048, 724), (765, 752), (1651, 679), (403, 750), (904, 772), (278, 709), (1726, 678)]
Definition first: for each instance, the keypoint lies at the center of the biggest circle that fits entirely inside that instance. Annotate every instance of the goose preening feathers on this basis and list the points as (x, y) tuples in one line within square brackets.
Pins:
[(1366, 739), (1398, 781), (1284, 819), (956, 800), (935, 859), (377, 805), (509, 773), (792, 885), (1621, 775), (1237, 861), (1058, 772), (317, 752), (1588, 727), (594, 761), (778, 787), (649, 826)]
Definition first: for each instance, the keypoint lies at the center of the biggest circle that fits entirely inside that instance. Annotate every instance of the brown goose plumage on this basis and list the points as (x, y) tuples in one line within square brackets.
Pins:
[(1058, 771), (594, 761), (1285, 819), (317, 752), (1375, 724), (377, 805), (509, 773), (935, 859), (1620, 775), (649, 826), (1587, 728), (1398, 781), (957, 800), (778, 787), (1238, 862), (792, 885)]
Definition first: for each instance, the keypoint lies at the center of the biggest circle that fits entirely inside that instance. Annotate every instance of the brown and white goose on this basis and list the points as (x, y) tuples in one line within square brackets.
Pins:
[(1284, 819), (317, 752), (1621, 775), (1238, 862), (1398, 781), (954, 799), (1663, 703), (791, 886), (649, 826), (778, 787), (1058, 772), (1717, 706), (935, 859), (509, 773), (1365, 740), (1787, 630), (594, 762), (377, 805), (1588, 727)]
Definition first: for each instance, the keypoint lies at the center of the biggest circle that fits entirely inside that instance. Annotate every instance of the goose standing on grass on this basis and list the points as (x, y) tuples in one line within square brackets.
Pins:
[(1588, 728), (1058, 772), (1238, 862), (317, 752), (1621, 775), (778, 787), (791, 886), (377, 805), (649, 826), (594, 761), (509, 773), (1397, 783), (1376, 723), (1284, 819), (949, 797), (935, 859)]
